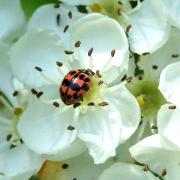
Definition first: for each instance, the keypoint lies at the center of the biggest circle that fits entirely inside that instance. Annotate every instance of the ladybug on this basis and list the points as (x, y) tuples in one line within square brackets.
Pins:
[(75, 85)]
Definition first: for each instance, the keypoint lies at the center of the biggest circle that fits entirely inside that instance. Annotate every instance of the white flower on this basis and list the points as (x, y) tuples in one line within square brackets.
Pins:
[(17, 161), (97, 43), (147, 27), (12, 20)]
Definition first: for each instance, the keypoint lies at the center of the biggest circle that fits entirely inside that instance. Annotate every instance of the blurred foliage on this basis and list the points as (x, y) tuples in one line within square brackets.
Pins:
[(29, 6)]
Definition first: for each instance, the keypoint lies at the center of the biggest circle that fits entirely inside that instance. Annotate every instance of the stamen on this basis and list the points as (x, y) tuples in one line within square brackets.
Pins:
[(58, 63), (145, 168), (33, 91), (124, 77), (39, 94), (68, 52), (58, 19), (113, 52), (128, 28), (6, 104), (172, 107), (71, 128), (77, 44), (66, 28), (129, 79), (90, 52), (164, 172), (91, 104), (154, 67), (103, 104), (70, 14), (38, 69), (56, 104), (145, 53), (18, 111), (15, 93), (119, 12), (175, 55), (65, 166)]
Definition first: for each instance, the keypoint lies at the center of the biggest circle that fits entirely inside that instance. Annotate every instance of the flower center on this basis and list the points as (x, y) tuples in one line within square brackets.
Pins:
[(82, 87), (148, 96)]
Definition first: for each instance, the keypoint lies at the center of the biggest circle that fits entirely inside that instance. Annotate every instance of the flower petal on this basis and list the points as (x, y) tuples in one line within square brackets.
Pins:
[(19, 163), (168, 123), (43, 128), (150, 29), (104, 128), (151, 152), (109, 43), (41, 48), (126, 172), (170, 83), (11, 19), (78, 2)]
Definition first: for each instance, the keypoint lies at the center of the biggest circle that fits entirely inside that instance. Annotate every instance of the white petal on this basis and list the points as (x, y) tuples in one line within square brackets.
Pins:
[(11, 19), (151, 152), (53, 18), (19, 163), (167, 54), (126, 172), (103, 34), (41, 48), (169, 124), (150, 29), (173, 10), (170, 83), (44, 128), (78, 2), (104, 128)]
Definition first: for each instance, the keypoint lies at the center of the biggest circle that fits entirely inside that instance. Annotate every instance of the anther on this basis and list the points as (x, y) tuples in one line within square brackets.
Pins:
[(154, 127), (71, 128), (98, 74), (56, 5), (154, 67), (39, 94), (56, 104), (124, 77), (12, 146), (68, 52), (175, 55), (100, 82), (172, 107), (21, 141), (164, 172), (113, 52), (38, 69), (91, 104), (58, 19), (145, 168), (128, 28), (77, 44), (15, 93), (76, 105), (70, 14), (58, 63), (103, 104), (9, 136), (66, 28), (65, 166), (33, 91), (18, 111), (90, 52), (145, 53)]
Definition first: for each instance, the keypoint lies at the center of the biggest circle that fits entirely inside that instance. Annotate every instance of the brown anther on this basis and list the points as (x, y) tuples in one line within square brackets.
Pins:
[(175, 55), (129, 79), (154, 67), (38, 69), (58, 63), (68, 52), (77, 44), (145, 53), (100, 82), (56, 5), (124, 77), (98, 74), (39, 94), (33, 91), (18, 111), (128, 28), (71, 128), (164, 172), (70, 14), (65, 166), (66, 28), (9, 136), (58, 19), (172, 107), (103, 104), (154, 127), (145, 168), (91, 104), (90, 52), (76, 105), (113, 52), (56, 104), (15, 93)]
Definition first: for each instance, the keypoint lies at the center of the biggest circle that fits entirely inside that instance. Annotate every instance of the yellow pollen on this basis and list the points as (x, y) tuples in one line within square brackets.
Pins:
[(140, 100), (96, 7), (18, 111)]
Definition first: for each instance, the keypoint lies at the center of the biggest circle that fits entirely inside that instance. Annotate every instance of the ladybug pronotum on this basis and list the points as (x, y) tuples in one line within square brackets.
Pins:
[(75, 85)]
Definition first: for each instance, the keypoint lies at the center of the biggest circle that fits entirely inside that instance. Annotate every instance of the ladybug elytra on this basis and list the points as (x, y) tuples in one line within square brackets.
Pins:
[(75, 85)]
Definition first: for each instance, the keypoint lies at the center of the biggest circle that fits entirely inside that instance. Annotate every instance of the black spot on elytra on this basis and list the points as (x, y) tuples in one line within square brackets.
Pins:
[(75, 87), (86, 79), (73, 72), (66, 82), (81, 76), (62, 94), (85, 87), (68, 97)]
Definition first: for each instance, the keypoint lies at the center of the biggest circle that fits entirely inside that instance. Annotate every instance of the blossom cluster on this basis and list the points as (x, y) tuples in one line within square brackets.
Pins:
[(89, 90)]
